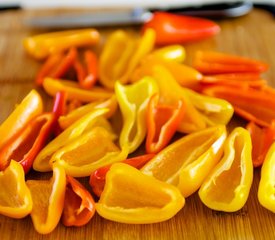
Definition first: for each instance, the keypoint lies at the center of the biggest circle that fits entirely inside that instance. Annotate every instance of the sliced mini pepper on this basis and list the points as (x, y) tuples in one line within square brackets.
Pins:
[(27, 143), (262, 138), (48, 200), (251, 104), (133, 100), (120, 56), (227, 187), (42, 45), (171, 92), (98, 177), (41, 162), (183, 74), (132, 197), (162, 121), (79, 205), (266, 188), (175, 53), (173, 28), (211, 62), (90, 151), (30, 107), (186, 162), (15, 197), (213, 110), (73, 91), (68, 119)]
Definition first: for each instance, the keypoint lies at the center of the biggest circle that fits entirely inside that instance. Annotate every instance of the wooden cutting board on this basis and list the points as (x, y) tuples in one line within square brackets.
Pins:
[(251, 35)]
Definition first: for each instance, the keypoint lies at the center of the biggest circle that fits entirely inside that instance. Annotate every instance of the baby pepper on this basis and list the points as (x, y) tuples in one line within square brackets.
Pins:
[(48, 200), (79, 205), (41, 162), (88, 152), (227, 187), (186, 162), (266, 188), (132, 197), (121, 54), (133, 100), (15, 196)]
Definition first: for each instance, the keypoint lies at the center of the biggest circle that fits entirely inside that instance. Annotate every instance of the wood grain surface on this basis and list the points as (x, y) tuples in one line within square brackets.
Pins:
[(251, 35)]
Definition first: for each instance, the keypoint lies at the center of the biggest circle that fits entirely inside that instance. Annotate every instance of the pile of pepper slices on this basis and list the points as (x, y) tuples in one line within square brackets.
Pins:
[(114, 120)]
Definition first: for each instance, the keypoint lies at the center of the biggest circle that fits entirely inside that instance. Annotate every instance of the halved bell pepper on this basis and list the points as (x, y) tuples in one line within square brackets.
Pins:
[(211, 62), (266, 188), (227, 187), (262, 138), (42, 45), (30, 107), (15, 197), (171, 92), (162, 121), (88, 152), (98, 177), (79, 205), (175, 53), (27, 143), (73, 91), (132, 197), (186, 162), (121, 54), (173, 28), (133, 100), (213, 110), (41, 162), (186, 76), (48, 200), (251, 104), (67, 120)]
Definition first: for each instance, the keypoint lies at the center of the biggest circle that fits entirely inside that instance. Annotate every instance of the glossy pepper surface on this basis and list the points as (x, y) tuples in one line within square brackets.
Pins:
[(79, 205), (172, 28), (90, 151), (227, 187), (266, 188), (15, 196), (186, 162), (42, 45), (48, 200), (121, 54), (133, 100), (41, 162), (130, 197)]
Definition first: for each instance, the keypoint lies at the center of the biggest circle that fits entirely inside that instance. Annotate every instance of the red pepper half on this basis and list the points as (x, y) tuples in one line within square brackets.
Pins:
[(262, 138), (97, 179), (59, 109), (211, 62), (252, 104), (162, 122), (79, 205), (172, 28), (27, 143)]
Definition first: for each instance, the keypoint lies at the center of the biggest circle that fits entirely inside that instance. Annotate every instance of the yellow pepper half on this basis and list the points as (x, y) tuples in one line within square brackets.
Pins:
[(266, 190), (175, 53), (227, 187), (48, 200), (74, 91), (133, 100), (42, 45), (132, 197), (41, 162), (90, 151), (121, 54), (15, 197), (186, 162), (30, 107)]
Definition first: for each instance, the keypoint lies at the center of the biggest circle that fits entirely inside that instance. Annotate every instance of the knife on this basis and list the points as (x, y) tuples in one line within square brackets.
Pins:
[(137, 15)]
